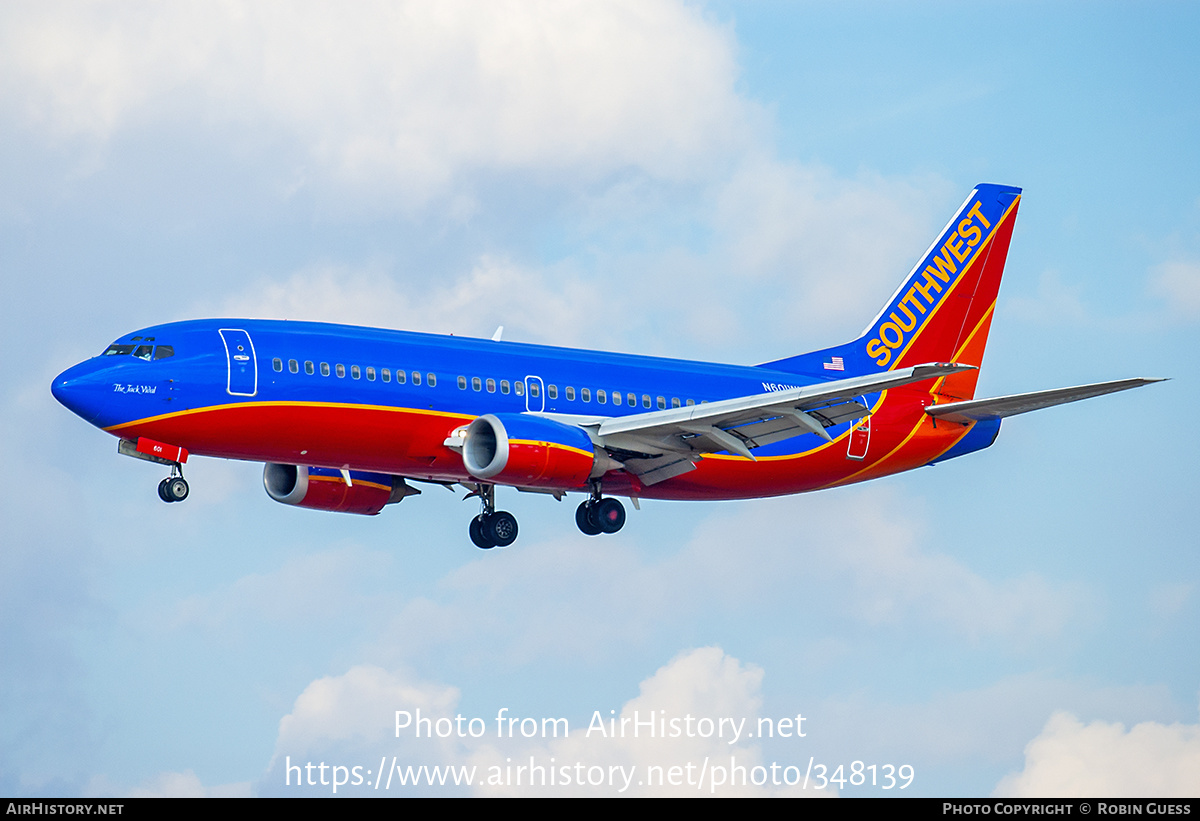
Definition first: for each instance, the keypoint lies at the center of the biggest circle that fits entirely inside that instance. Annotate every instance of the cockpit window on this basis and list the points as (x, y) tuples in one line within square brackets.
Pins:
[(146, 352)]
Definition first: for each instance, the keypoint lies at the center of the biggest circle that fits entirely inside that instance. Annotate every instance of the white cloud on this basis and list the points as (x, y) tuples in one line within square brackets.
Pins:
[(1056, 302), (1070, 758), (532, 304), (1178, 282), (828, 250), (351, 719), (412, 103), (311, 587), (704, 685), (1168, 599), (861, 558), (406, 93), (184, 785), (338, 708)]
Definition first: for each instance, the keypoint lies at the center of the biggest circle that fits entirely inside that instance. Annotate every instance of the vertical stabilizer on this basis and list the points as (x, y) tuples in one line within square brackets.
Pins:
[(943, 310)]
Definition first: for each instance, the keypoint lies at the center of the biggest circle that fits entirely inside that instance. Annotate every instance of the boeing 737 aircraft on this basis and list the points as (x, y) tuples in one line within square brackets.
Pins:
[(346, 417)]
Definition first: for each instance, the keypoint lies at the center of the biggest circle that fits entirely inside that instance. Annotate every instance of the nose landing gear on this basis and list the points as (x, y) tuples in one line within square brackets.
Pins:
[(174, 488)]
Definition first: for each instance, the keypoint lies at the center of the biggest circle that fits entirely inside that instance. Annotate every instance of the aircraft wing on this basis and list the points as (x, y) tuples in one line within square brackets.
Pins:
[(976, 409), (661, 444)]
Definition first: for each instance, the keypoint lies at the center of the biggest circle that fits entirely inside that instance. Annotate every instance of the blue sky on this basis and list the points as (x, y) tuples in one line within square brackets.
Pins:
[(738, 182)]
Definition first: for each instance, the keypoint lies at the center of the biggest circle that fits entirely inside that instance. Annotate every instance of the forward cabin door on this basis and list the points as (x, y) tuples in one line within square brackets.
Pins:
[(243, 367)]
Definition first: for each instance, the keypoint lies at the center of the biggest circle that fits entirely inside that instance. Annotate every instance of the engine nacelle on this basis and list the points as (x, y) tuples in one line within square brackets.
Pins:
[(326, 489), (530, 451)]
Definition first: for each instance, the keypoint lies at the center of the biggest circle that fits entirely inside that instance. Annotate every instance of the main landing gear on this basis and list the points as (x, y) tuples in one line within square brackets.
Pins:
[(492, 528), (174, 488), (598, 515)]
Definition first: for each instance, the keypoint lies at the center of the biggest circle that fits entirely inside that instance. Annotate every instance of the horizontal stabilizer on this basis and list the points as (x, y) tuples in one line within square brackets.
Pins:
[(1001, 406)]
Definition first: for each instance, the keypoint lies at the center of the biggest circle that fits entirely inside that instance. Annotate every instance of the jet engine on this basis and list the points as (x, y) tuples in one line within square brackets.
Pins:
[(326, 489), (531, 451)]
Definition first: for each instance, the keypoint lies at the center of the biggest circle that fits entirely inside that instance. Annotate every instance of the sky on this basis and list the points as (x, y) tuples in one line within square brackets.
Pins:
[(736, 182)]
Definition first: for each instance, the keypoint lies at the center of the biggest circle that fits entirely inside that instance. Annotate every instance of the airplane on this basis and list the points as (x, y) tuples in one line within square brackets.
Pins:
[(346, 417)]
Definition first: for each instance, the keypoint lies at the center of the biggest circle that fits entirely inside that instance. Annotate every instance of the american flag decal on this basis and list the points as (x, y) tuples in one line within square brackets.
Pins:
[(835, 363)]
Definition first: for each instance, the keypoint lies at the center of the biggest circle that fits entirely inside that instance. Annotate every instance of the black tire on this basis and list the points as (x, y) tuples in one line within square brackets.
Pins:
[(477, 536), (500, 528), (583, 519), (608, 515), (162, 491), (176, 489)]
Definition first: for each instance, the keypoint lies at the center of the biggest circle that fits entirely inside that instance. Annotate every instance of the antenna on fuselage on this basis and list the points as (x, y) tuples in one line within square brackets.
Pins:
[(499, 333)]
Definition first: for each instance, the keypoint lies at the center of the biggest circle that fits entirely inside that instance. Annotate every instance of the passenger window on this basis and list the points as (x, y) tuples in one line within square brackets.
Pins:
[(570, 394), (632, 397), (462, 383), (601, 396), (674, 401), (616, 397), (662, 403), (585, 394), (504, 388), (491, 385), (308, 367), (355, 373), (534, 390), (277, 364), (163, 351), (416, 378), (431, 380), (476, 383), (370, 374), (691, 402), (293, 366), (401, 377), (341, 371), (519, 388), (386, 374), (324, 369), (144, 352), (552, 391)]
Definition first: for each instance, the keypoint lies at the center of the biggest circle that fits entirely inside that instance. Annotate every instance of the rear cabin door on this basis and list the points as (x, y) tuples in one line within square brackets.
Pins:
[(243, 367)]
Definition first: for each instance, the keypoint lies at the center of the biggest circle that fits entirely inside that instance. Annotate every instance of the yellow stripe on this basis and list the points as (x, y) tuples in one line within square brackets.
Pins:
[(986, 315), (341, 405), (339, 480), (588, 454), (953, 287), (921, 421)]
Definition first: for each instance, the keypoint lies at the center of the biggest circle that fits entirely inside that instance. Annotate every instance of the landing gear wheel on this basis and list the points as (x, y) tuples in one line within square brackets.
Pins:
[(608, 515), (500, 527), (583, 519), (477, 534), (162, 490), (174, 490)]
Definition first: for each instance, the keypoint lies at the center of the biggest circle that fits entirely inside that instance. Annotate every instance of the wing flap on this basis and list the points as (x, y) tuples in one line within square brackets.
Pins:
[(738, 425)]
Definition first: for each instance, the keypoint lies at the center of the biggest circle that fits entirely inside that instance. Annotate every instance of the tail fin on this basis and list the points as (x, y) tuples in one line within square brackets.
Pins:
[(943, 310)]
